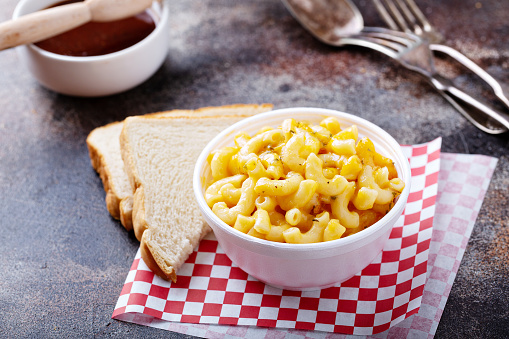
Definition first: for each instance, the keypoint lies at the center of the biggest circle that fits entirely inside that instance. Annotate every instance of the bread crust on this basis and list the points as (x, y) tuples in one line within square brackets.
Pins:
[(152, 263), (139, 222), (99, 163), (126, 213)]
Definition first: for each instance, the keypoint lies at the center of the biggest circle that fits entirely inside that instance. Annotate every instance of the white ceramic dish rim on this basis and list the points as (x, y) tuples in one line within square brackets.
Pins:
[(163, 17), (344, 242)]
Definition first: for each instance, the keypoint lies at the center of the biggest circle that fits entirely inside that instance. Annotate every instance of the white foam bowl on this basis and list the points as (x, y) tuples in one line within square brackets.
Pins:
[(101, 75), (303, 266)]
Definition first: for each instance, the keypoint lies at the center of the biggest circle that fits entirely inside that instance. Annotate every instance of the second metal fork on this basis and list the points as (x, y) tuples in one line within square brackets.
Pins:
[(404, 15), (414, 53)]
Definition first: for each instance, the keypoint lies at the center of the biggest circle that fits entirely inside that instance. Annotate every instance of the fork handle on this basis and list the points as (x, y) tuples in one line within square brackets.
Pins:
[(471, 108), (462, 59), (476, 117)]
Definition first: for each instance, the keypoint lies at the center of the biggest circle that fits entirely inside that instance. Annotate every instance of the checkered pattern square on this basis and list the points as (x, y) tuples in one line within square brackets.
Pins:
[(212, 290)]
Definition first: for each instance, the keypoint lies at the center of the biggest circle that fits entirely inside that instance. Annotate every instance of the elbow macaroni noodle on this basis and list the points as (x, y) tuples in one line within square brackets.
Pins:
[(302, 183)]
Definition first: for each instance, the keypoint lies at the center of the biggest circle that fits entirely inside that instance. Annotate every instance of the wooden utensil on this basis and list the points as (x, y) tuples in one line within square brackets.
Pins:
[(49, 22)]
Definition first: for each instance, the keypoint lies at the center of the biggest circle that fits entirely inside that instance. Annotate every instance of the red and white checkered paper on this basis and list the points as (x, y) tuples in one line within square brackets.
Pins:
[(212, 290)]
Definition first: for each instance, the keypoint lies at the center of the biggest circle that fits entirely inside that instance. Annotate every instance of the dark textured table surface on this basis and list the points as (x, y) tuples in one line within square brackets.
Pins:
[(64, 260)]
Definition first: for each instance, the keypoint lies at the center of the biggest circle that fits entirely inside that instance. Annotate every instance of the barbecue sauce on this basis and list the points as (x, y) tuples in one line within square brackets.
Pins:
[(99, 38)]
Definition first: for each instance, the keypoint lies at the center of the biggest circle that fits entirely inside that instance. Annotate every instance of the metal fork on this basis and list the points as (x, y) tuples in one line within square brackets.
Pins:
[(404, 15), (414, 53)]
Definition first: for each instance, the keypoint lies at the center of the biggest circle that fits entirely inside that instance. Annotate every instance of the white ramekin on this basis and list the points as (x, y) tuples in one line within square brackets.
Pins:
[(303, 266)]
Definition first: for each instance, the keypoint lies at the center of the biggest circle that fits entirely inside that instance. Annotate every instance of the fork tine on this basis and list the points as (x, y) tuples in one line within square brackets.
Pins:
[(424, 23), (409, 16), (385, 15), (381, 40), (389, 39), (375, 44), (394, 41), (392, 11)]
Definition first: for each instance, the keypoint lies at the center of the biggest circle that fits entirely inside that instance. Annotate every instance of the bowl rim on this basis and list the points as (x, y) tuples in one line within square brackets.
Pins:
[(164, 17), (395, 212)]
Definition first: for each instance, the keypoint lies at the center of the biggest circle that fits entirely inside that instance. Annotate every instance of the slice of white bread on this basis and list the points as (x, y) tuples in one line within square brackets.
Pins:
[(104, 149), (159, 156)]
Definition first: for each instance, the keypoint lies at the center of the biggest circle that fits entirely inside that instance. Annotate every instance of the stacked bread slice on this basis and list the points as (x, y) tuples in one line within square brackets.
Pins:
[(146, 165)]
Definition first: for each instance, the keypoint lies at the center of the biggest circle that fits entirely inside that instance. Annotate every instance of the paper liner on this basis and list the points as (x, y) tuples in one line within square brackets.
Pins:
[(214, 298)]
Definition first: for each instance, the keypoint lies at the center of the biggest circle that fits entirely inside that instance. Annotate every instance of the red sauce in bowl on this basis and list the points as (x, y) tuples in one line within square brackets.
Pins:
[(99, 38)]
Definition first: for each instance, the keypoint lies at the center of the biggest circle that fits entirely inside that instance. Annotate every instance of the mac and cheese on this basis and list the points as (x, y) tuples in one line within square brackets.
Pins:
[(302, 183)]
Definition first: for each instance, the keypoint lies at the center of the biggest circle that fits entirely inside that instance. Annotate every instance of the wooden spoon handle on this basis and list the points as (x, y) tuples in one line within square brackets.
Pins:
[(44, 24)]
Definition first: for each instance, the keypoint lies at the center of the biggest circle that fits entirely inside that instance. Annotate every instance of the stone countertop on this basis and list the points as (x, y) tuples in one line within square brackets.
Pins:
[(64, 258)]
